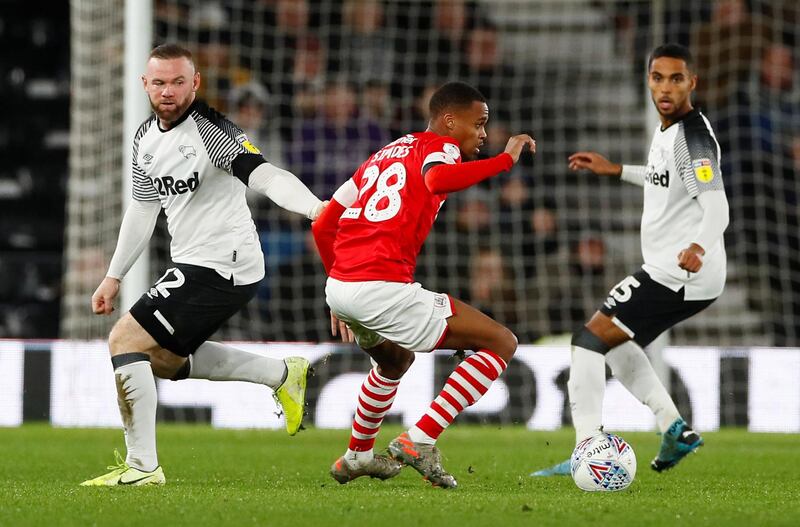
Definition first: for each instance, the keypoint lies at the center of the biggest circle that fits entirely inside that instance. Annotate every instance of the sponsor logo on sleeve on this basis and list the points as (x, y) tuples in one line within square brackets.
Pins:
[(702, 170), (247, 145)]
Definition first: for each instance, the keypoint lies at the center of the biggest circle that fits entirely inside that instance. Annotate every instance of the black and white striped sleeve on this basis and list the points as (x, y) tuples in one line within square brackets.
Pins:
[(227, 145), (143, 189), (697, 157)]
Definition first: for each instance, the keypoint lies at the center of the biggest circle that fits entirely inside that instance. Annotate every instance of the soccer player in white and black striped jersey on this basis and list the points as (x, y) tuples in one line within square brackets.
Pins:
[(193, 163), (684, 217)]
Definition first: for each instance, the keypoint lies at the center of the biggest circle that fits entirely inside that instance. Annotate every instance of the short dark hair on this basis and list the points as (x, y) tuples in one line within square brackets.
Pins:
[(171, 51), (671, 50), (453, 95)]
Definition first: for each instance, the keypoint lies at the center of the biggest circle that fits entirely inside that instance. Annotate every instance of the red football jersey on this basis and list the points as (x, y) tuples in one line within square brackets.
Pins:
[(381, 234)]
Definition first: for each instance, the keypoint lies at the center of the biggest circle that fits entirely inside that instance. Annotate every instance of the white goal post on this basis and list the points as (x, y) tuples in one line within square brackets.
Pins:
[(138, 43)]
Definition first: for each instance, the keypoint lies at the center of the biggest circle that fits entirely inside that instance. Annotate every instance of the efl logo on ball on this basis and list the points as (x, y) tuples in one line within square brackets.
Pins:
[(604, 463)]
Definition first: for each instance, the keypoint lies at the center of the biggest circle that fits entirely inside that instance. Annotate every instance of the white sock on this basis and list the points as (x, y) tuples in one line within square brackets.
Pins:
[(419, 436), (586, 387), (356, 459), (137, 399), (217, 362), (631, 367)]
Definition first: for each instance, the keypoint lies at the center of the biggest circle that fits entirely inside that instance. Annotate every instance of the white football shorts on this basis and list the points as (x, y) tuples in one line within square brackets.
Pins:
[(406, 314)]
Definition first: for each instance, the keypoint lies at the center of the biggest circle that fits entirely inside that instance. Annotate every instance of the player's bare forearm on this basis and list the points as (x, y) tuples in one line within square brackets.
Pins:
[(594, 162)]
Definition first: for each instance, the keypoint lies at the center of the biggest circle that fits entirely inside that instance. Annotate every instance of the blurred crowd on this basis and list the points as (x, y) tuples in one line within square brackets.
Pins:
[(320, 85), (747, 56)]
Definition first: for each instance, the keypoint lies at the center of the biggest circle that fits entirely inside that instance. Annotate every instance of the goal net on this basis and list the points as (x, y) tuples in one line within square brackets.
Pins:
[(94, 197), (319, 85)]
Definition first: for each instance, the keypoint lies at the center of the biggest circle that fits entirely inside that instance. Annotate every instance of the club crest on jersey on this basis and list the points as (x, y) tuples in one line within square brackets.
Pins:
[(245, 142), (451, 150), (187, 151), (702, 169)]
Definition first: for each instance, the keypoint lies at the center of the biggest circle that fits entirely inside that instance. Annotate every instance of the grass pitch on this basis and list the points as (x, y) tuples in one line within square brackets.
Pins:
[(217, 477)]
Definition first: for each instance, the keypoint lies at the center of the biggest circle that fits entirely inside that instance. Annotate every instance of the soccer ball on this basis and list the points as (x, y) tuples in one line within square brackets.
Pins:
[(604, 462)]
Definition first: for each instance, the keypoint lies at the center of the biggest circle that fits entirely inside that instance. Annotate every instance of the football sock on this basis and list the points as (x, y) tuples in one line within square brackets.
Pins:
[(374, 401), (137, 399), (630, 366), (218, 362), (586, 387), (465, 386)]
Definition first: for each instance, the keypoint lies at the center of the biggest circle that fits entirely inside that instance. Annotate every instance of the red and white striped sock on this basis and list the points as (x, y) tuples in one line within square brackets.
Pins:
[(470, 380), (374, 401)]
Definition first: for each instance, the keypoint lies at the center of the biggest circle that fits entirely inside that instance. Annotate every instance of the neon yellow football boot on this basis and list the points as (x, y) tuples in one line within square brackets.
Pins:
[(122, 474), (291, 395)]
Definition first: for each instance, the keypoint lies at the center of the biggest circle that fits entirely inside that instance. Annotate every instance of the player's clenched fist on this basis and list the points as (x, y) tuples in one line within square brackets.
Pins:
[(103, 297), (691, 258), (517, 143)]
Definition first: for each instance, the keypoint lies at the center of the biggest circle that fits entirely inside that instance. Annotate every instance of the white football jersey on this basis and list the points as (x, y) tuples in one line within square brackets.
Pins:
[(684, 161), (190, 168)]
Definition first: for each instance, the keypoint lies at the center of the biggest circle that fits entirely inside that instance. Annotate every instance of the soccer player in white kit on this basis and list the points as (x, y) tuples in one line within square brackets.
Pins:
[(196, 165), (684, 217)]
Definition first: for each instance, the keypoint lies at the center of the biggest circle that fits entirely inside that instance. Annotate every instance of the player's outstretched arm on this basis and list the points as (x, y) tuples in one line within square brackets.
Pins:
[(444, 178), (134, 234), (286, 190), (594, 162)]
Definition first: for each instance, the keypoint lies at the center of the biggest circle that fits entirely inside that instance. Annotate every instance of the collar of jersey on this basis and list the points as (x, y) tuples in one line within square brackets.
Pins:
[(180, 119), (690, 113)]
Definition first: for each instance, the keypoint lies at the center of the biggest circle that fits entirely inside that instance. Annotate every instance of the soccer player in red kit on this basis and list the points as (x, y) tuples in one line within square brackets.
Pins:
[(369, 238)]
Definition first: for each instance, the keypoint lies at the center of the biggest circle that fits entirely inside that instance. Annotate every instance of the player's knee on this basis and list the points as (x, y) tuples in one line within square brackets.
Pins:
[(118, 338), (393, 361), (400, 360), (405, 361), (167, 371), (584, 338), (127, 336), (507, 344)]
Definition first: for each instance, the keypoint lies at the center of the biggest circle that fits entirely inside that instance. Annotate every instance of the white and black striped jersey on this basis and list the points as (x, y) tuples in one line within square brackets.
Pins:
[(198, 170), (684, 161)]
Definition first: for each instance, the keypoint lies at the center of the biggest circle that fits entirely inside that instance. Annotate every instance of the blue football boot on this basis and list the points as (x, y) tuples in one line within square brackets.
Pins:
[(676, 443), (560, 469)]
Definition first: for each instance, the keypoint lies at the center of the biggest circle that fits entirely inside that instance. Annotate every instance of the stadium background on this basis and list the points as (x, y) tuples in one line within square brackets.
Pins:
[(320, 84)]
